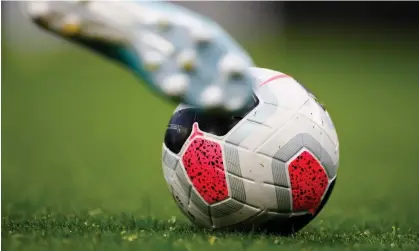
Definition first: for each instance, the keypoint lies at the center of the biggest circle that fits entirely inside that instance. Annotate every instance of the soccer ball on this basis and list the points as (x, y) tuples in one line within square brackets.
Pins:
[(272, 166)]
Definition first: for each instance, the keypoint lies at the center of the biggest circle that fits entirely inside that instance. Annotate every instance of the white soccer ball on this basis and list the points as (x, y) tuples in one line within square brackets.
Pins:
[(273, 166)]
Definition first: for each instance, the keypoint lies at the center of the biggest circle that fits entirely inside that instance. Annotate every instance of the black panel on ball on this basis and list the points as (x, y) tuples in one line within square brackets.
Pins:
[(180, 124), (179, 129)]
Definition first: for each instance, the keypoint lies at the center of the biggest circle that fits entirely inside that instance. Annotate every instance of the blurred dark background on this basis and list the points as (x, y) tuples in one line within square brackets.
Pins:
[(365, 13), (79, 132)]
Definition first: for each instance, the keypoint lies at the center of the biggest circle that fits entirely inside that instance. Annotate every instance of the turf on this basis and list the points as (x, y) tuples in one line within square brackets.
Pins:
[(81, 145)]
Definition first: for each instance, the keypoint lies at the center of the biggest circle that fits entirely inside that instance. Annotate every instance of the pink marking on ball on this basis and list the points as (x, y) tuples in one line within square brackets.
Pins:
[(309, 182), (195, 131), (203, 162), (274, 78)]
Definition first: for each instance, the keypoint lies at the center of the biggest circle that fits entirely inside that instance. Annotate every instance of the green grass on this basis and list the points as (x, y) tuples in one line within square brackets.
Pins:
[(81, 144)]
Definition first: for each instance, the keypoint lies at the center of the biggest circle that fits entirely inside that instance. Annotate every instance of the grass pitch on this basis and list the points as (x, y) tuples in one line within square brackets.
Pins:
[(81, 145)]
